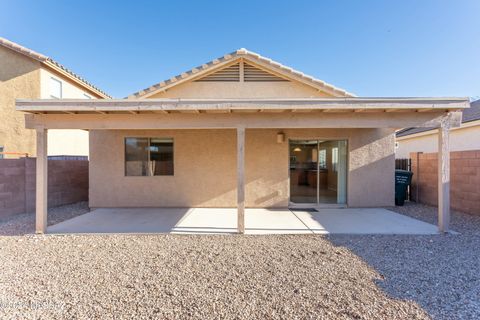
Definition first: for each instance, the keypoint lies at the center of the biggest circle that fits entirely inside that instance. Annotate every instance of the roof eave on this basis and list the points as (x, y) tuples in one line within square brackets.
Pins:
[(228, 58)]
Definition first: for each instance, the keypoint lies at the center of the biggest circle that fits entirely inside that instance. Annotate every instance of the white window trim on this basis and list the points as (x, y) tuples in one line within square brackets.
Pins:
[(61, 88)]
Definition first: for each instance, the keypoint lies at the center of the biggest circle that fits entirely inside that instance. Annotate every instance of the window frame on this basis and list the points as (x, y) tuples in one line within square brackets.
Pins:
[(148, 156), (335, 156), (61, 88)]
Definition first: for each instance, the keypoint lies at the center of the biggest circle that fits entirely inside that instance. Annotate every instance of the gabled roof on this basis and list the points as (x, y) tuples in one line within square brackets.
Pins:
[(53, 65), (249, 56), (468, 115)]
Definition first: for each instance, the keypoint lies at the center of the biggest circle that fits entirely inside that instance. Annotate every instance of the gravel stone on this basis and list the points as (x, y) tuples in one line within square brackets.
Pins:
[(22, 224), (440, 272), (241, 277)]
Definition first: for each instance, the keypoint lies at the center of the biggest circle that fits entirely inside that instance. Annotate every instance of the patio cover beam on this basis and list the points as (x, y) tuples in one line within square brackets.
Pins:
[(247, 120), (178, 105)]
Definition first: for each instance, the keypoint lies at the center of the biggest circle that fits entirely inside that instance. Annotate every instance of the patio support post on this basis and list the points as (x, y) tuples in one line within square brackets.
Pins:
[(444, 175), (241, 180), (41, 188)]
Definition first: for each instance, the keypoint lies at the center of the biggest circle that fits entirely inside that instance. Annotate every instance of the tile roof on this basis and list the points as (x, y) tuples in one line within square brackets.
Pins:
[(49, 61), (232, 56), (468, 115)]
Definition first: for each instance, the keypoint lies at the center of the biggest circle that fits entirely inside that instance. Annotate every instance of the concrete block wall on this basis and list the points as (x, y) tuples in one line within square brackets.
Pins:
[(67, 183), (464, 180), (12, 186)]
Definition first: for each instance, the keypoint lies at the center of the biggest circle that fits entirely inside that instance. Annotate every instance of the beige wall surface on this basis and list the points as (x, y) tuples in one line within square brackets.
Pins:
[(24, 78), (65, 142), (205, 168), (252, 90), (69, 89), (461, 139), (19, 79)]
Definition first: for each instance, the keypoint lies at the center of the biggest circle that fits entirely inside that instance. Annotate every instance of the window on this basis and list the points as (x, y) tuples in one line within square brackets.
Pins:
[(55, 88), (335, 159), (1, 150), (148, 156), (322, 159)]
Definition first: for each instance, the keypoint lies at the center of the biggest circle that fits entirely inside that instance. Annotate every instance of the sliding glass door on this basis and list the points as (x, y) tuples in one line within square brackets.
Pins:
[(318, 171)]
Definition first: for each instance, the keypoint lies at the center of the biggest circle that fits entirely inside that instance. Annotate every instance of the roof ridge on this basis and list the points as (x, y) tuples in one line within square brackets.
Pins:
[(230, 56), (43, 58)]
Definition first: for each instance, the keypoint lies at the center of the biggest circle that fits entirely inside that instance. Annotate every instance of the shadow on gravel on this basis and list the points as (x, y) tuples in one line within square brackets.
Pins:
[(439, 272), (23, 224)]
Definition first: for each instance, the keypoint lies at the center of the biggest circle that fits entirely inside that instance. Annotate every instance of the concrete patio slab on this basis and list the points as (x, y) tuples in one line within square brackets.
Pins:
[(273, 221), (363, 221), (257, 221), (207, 220), (123, 220), (181, 220)]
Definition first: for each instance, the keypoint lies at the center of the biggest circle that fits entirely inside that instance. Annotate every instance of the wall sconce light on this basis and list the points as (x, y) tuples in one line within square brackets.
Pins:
[(280, 137)]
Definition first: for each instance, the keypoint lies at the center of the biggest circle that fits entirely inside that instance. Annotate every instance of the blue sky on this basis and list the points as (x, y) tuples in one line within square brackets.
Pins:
[(371, 48)]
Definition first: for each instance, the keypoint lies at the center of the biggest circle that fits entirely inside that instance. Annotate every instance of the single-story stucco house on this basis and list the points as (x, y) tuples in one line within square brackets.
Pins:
[(242, 131)]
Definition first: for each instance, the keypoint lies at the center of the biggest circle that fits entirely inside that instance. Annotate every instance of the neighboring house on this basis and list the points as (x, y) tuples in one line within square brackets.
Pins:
[(25, 74), (240, 131), (464, 138)]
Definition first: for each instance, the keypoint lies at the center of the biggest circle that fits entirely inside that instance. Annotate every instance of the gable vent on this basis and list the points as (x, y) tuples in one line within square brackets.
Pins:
[(231, 73), (254, 74)]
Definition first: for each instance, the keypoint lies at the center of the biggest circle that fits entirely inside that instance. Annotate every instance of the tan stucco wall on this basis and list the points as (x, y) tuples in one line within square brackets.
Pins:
[(70, 90), (205, 168), (465, 138), (24, 78), (221, 90), (65, 142), (19, 78), (68, 142)]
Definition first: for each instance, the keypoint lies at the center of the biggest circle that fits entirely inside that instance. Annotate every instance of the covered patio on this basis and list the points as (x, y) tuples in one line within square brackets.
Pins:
[(257, 221), (286, 118), (248, 133)]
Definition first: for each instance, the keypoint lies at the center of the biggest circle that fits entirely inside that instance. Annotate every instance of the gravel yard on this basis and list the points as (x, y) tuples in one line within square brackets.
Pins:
[(23, 224), (440, 273), (280, 276)]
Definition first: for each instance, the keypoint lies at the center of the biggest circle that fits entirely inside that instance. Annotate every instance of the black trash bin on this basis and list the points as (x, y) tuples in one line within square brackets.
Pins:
[(403, 178)]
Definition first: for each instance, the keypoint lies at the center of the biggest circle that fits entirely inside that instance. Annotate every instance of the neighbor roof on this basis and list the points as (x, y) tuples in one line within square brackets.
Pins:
[(468, 115), (52, 64), (249, 55)]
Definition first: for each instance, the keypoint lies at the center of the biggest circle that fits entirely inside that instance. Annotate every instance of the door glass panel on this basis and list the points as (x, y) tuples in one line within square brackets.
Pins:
[(303, 172)]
